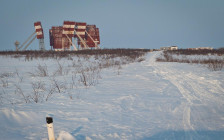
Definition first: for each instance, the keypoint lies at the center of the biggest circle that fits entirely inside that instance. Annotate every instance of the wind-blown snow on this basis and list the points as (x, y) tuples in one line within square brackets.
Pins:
[(146, 100)]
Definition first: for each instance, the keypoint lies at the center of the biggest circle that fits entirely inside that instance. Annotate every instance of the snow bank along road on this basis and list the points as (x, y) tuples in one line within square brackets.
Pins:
[(147, 100)]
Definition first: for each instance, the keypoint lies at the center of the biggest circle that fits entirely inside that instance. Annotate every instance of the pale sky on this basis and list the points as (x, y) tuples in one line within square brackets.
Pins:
[(122, 23)]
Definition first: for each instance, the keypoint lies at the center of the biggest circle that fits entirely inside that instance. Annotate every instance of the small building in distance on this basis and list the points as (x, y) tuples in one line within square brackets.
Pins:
[(169, 48)]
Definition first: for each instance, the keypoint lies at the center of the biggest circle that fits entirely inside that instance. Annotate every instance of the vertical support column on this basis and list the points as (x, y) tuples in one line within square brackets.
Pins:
[(50, 128), (41, 44), (62, 41), (75, 44)]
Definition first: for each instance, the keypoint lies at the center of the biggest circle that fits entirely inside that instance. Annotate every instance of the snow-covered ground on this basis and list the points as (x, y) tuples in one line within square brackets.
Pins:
[(141, 100)]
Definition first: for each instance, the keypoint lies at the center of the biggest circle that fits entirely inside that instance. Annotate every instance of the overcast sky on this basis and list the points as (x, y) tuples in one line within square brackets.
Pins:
[(122, 23)]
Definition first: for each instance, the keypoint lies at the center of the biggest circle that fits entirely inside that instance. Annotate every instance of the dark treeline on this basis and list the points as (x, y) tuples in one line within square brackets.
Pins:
[(117, 52)]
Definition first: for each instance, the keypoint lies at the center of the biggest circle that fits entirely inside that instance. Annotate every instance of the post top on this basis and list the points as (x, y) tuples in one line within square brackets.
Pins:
[(49, 120)]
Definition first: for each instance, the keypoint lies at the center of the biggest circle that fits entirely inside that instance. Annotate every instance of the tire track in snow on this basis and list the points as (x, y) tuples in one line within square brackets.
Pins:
[(187, 105), (198, 86), (175, 77)]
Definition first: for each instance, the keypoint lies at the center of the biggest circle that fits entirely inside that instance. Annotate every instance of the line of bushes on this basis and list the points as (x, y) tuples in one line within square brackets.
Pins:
[(214, 64), (197, 52)]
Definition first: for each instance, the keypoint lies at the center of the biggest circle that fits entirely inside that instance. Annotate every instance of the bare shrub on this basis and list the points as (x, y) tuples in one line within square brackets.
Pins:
[(89, 78), (96, 57), (73, 84), (4, 79), (215, 65), (1, 96), (83, 78), (18, 75), (41, 71), (20, 92), (58, 85), (117, 63), (119, 70), (159, 59), (38, 88), (69, 57), (50, 92), (4, 82), (32, 74), (141, 59), (3, 75), (74, 64), (59, 71), (4, 98), (168, 57), (66, 71), (70, 95)]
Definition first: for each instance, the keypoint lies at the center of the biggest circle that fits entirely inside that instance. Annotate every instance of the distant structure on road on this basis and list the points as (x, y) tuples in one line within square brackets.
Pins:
[(169, 48)]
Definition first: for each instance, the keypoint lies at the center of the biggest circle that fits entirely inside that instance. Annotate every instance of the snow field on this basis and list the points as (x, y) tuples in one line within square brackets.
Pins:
[(146, 100)]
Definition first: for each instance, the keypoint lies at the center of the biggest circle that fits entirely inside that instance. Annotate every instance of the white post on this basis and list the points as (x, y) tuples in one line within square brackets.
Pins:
[(50, 128)]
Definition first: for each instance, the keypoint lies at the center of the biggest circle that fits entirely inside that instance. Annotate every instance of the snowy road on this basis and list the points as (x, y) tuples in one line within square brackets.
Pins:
[(203, 93), (146, 100)]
